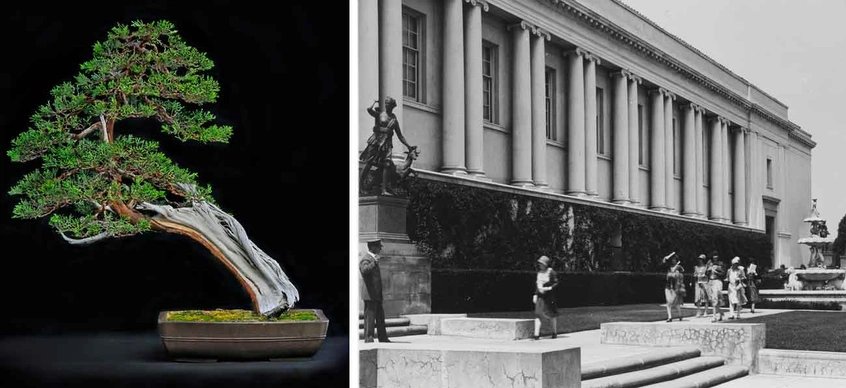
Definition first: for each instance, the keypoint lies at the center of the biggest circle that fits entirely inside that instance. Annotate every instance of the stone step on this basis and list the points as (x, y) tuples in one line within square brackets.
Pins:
[(389, 322), (637, 362), (708, 378), (399, 331), (657, 374)]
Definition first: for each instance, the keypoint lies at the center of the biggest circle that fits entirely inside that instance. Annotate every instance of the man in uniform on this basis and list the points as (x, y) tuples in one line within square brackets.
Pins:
[(371, 291)]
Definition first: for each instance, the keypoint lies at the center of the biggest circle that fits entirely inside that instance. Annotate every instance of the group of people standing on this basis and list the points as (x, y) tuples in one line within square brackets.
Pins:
[(709, 276)]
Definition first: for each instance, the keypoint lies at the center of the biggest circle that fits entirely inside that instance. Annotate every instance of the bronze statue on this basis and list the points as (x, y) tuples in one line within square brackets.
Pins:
[(379, 147)]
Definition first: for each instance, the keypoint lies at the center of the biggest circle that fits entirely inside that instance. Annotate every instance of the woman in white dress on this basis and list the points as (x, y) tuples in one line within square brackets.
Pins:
[(544, 297), (736, 293)]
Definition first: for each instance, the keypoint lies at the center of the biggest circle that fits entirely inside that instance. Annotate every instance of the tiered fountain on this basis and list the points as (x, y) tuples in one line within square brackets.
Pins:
[(817, 276)]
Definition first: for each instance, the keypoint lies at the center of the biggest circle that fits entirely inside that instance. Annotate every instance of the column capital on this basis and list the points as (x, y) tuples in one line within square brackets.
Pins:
[(523, 25), (481, 3), (693, 107), (725, 121), (634, 78), (621, 73), (591, 57), (576, 51), (541, 33), (715, 119), (667, 93)]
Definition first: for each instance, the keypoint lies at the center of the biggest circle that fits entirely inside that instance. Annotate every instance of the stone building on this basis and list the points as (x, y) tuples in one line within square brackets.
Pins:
[(585, 101)]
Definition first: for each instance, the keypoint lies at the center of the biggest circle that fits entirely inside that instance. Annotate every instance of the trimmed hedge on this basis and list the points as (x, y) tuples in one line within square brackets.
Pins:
[(462, 227), (478, 291)]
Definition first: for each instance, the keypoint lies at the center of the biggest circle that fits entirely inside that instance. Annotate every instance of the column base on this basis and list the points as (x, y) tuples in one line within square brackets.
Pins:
[(691, 215), (620, 201), (458, 170), (715, 219), (478, 174), (741, 223), (542, 187), (657, 208), (580, 194), (523, 184), (592, 194)]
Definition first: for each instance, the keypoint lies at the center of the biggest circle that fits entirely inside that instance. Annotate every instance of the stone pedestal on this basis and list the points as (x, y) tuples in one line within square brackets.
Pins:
[(406, 272)]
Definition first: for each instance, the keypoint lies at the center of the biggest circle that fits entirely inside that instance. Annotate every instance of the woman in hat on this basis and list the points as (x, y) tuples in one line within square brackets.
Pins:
[(736, 297), (701, 294), (715, 274), (674, 289), (544, 297), (753, 280)]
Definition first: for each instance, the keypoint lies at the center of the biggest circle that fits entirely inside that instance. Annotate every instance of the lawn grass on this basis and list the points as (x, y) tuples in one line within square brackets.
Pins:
[(575, 319), (822, 331)]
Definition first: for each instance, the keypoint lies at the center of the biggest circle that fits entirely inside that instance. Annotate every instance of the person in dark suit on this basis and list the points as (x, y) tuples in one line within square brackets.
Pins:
[(371, 291)]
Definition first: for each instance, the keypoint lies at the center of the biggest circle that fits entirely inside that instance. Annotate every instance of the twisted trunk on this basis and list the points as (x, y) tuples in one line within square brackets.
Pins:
[(269, 288)]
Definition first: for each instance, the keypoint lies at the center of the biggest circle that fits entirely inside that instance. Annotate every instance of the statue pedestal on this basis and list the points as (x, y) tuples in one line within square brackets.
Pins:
[(406, 272)]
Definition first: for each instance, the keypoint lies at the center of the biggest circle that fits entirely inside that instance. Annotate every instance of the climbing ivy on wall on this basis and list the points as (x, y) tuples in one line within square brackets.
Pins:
[(472, 228)]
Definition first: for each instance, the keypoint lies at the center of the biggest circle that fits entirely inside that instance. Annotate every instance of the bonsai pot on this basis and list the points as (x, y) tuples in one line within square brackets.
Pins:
[(242, 340)]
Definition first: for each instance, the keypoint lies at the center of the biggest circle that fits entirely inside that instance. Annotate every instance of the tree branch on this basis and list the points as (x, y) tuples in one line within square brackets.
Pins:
[(88, 131), (85, 241), (105, 131)]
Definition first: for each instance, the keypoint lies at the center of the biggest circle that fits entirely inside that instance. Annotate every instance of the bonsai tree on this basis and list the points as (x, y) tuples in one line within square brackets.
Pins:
[(95, 183)]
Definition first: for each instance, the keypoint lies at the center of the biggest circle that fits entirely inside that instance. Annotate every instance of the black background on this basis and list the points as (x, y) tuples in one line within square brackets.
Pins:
[(283, 70)]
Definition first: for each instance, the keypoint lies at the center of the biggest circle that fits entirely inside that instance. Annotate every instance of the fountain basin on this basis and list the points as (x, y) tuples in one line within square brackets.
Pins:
[(819, 278)]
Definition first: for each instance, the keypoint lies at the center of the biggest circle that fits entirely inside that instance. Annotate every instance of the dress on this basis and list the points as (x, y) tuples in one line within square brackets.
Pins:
[(674, 289), (545, 305), (715, 274), (380, 143), (701, 295), (735, 286), (752, 284)]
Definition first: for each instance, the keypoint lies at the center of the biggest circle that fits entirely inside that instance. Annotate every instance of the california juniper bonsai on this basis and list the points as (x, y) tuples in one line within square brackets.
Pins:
[(96, 183)]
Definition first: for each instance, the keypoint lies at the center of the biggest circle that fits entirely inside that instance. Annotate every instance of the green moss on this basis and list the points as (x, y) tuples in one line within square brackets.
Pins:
[(221, 315)]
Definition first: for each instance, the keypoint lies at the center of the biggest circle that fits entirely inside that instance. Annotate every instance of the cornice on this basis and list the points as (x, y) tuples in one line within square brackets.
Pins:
[(602, 24)]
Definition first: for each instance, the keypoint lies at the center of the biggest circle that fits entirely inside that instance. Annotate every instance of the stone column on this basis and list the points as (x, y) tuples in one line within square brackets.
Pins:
[(390, 54), (726, 172), (591, 174), (634, 142), (689, 164), (473, 121), (716, 169), (452, 141), (368, 66), (620, 123), (521, 108), (656, 164), (701, 197), (669, 144), (756, 182), (539, 107), (576, 124), (740, 177)]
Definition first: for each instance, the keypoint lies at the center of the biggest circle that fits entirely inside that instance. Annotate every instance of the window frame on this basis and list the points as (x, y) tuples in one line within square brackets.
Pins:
[(549, 100), (420, 52), (492, 100), (601, 143)]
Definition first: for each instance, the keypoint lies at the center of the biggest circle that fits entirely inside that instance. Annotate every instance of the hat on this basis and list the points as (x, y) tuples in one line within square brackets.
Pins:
[(375, 241), (544, 260), (702, 256), (735, 260)]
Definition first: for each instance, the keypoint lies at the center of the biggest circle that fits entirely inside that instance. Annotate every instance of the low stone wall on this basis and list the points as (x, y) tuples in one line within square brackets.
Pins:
[(802, 363), (432, 368), (431, 321), (738, 343), (489, 328)]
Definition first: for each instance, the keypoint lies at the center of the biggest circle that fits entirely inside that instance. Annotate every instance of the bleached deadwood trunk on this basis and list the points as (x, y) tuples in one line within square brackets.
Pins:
[(270, 289)]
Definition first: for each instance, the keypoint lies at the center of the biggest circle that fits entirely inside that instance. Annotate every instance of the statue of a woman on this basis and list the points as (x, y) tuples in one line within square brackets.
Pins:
[(379, 147)]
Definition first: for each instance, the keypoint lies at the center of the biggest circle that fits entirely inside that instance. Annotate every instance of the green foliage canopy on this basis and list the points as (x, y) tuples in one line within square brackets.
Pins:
[(839, 246), (141, 71)]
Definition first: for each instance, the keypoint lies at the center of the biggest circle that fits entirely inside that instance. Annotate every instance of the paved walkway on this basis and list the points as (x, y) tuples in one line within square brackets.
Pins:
[(593, 351)]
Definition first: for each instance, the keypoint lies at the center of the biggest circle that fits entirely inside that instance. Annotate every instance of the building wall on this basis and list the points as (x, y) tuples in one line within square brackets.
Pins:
[(422, 121)]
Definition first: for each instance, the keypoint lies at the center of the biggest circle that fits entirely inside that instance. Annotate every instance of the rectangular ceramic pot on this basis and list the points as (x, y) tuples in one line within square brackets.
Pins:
[(242, 340)]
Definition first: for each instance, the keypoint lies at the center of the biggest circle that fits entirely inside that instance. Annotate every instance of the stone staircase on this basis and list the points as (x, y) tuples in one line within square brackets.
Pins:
[(396, 327), (664, 368)]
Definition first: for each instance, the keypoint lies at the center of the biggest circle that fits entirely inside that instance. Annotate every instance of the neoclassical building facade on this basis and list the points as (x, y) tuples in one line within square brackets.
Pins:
[(585, 100)]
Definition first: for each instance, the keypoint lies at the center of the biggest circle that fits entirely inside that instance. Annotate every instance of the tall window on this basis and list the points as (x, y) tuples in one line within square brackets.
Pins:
[(769, 173), (412, 31), (601, 148), (549, 89), (676, 148), (489, 83), (706, 156), (642, 139)]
